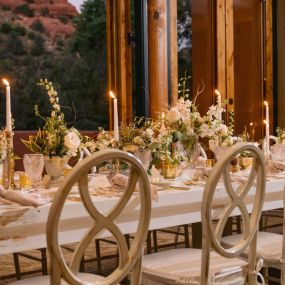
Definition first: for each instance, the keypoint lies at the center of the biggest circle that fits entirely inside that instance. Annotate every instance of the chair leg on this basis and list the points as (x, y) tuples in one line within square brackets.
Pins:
[(176, 236), (148, 243), (265, 275), (17, 266), (186, 236), (44, 261), (154, 236), (82, 265), (127, 237), (98, 255)]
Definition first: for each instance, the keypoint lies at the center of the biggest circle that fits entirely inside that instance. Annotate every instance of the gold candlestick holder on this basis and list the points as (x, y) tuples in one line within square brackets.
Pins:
[(8, 167)]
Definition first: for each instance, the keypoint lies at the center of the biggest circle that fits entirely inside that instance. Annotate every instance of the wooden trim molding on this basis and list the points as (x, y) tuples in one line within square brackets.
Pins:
[(173, 52), (269, 60), (225, 50), (119, 57), (158, 61)]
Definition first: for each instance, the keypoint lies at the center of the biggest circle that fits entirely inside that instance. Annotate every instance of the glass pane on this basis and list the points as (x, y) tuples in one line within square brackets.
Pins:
[(184, 30), (43, 40), (279, 63)]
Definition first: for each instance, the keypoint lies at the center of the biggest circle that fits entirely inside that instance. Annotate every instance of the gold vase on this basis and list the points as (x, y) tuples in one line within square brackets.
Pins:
[(244, 162), (169, 171)]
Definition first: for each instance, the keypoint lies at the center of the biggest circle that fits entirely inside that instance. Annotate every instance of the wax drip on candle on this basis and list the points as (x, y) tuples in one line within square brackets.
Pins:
[(8, 106), (267, 127), (266, 147), (116, 119), (219, 102)]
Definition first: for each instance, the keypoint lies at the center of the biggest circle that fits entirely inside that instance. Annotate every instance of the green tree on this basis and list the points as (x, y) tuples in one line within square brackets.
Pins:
[(6, 28), (90, 26), (38, 46)]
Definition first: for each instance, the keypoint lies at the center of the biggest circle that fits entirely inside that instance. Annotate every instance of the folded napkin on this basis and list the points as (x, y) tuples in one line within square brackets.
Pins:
[(273, 166), (123, 180), (201, 174), (21, 198)]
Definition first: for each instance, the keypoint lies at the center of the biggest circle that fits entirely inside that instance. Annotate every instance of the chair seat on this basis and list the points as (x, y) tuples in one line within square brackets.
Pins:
[(45, 280), (183, 266), (269, 245)]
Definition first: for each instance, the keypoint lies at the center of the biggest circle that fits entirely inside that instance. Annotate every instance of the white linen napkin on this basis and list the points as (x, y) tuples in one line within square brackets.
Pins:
[(21, 198), (123, 180)]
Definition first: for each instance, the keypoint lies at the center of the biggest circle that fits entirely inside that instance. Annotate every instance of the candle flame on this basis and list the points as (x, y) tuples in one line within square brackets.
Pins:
[(251, 124), (6, 82), (265, 122), (162, 115), (112, 95), (265, 104), (218, 93)]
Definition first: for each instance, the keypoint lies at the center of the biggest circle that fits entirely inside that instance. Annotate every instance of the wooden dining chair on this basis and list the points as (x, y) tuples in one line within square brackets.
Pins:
[(129, 259), (270, 247), (220, 265)]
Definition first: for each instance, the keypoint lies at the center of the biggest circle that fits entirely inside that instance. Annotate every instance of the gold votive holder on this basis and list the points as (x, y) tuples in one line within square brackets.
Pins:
[(245, 162), (8, 174), (169, 171), (8, 163), (24, 181), (210, 163)]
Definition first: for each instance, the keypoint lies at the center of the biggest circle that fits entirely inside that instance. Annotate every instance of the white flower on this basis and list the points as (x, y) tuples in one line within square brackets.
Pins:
[(56, 106), (204, 130), (173, 115), (72, 142), (138, 140), (149, 132)]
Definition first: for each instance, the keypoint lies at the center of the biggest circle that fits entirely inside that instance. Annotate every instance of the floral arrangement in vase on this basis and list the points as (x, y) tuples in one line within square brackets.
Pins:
[(137, 135), (55, 141), (278, 149), (55, 138), (280, 135)]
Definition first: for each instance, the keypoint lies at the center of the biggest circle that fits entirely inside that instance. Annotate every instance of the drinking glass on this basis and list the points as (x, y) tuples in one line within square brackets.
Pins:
[(34, 166)]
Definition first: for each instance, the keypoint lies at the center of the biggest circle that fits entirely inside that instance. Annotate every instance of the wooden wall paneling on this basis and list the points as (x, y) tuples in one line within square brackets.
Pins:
[(174, 51), (158, 62), (221, 48), (119, 57), (248, 66), (269, 61), (203, 59), (230, 75), (124, 66)]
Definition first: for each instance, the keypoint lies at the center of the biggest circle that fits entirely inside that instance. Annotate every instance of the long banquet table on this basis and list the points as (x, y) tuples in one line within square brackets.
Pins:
[(23, 228)]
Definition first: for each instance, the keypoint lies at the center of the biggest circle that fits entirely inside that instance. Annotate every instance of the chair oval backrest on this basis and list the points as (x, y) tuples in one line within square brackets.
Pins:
[(212, 234), (127, 258)]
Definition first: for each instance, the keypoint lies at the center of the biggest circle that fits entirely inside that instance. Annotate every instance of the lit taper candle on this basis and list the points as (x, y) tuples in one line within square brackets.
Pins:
[(8, 106), (219, 102), (116, 119), (267, 127)]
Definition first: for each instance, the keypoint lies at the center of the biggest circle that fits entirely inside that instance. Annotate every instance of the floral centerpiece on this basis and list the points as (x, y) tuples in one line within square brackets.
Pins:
[(278, 149), (55, 140), (280, 135), (220, 135)]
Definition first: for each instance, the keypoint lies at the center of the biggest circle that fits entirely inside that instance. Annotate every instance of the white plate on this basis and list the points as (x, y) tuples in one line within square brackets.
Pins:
[(162, 183)]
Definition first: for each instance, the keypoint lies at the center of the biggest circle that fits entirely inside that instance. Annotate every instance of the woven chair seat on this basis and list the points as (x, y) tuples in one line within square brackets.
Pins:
[(183, 266)]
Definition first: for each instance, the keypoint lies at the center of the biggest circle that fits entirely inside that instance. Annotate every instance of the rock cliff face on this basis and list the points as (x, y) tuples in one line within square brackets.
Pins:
[(55, 15)]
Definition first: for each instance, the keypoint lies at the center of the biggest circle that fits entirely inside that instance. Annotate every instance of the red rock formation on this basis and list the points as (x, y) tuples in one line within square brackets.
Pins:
[(55, 15)]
